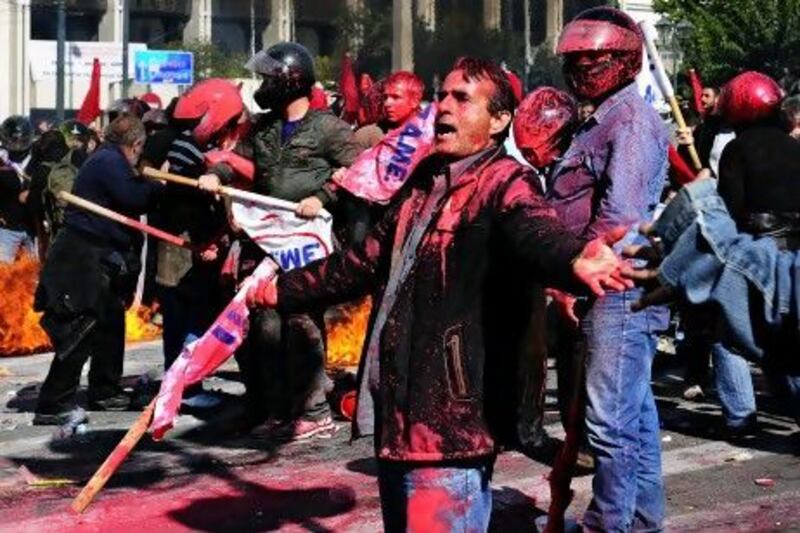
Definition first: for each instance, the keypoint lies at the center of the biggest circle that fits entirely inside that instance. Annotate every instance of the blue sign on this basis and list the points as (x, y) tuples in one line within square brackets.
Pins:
[(164, 66)]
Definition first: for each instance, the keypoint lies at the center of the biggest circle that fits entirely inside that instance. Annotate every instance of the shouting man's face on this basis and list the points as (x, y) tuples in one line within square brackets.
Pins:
[(399, 102), (464, 125)]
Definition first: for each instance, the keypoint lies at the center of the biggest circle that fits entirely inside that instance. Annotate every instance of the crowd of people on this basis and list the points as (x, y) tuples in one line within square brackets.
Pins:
[(481, 267)]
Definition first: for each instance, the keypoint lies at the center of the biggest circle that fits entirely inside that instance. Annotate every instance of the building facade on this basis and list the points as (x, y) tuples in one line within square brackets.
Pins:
[(235, 27)]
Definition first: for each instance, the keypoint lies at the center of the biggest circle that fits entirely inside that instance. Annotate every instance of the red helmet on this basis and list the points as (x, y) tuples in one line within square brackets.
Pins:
[(544, 121), (749, 97), (601, 29), (215, 102)]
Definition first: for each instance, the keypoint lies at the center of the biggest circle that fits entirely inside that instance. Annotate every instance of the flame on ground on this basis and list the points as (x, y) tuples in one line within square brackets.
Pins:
[(20, 332), (347, 330), (139, 325)]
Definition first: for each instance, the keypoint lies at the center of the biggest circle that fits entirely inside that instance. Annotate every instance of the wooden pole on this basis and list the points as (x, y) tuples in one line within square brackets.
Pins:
[(114, 460), (564, 465), (232, 192), (665, 85), (122, 219)]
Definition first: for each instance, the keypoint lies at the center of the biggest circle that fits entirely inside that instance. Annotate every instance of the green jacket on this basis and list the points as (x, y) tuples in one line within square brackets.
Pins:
[(302, 166)]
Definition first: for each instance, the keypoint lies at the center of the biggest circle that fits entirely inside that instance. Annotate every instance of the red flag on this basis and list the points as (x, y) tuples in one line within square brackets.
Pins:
[(678, 167), (319, 99), (697, 90), (90, 109), (349, 90), (516, 85)]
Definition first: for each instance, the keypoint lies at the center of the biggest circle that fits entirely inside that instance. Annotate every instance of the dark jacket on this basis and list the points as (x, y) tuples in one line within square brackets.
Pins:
[(107, 179), (760, 172), (13, 213), (302, 165), (454, 313)]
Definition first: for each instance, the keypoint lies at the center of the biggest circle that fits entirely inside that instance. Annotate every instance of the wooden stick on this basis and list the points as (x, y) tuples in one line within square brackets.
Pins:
[(122, 219), (664, 83), (564, 465), (114, 460), (232, 192)]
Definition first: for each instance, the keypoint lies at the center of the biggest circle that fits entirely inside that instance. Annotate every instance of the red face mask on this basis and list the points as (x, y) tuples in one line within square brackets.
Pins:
[(399, 103), (592, 76)]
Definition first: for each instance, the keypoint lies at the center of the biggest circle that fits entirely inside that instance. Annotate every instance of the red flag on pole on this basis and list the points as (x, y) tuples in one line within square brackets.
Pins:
[(90, 109), (678, 168), (697, 90), (349, 89)]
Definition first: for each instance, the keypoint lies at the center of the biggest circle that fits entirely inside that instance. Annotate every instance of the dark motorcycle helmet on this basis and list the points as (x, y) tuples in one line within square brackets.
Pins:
[(74, 130), (127, 106), (16, 134), (288, 73)]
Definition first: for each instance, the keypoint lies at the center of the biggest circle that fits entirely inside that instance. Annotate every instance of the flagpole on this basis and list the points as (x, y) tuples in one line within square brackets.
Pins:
[(77, 201), (231, 192), (114, 460)]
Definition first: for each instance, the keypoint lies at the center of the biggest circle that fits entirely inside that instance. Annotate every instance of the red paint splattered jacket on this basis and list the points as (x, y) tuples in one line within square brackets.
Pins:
[(454, 314)]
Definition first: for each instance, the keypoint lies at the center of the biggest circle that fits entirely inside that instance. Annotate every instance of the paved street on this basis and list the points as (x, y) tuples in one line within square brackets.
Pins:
[(206, 477)]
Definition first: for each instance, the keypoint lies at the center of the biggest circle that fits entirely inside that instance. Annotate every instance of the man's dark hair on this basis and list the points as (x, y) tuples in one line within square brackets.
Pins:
[(124, 130), (712, 88), (502, 98)]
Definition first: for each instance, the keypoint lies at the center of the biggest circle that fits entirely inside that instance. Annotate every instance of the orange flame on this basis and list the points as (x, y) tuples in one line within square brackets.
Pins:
[(138, 325), (347, 332), (20, 332)]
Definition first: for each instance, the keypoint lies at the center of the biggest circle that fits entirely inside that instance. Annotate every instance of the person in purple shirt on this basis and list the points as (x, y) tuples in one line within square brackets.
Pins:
[(612, 175)]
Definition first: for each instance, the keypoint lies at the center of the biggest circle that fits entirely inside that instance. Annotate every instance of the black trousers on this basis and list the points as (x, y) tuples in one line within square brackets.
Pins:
[(104, 345), (283, 366)]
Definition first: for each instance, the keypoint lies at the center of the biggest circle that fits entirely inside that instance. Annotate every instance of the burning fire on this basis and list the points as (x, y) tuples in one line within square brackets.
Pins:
[(20, 332), (19, 324), (346, 334), (138, 325)]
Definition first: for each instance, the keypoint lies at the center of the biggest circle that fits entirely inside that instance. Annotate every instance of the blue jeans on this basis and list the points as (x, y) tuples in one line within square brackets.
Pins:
[(430, 499), (621, 417), (12, 241), (734, 387)]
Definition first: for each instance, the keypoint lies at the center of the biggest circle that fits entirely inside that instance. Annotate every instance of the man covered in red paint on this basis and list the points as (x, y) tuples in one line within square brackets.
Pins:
[(612, 175), (400, 98), (442, 266)]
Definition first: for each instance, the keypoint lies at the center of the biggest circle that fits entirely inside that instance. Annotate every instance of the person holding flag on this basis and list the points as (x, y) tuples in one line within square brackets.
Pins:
[(442, 266), (295, 150), (188, 280)]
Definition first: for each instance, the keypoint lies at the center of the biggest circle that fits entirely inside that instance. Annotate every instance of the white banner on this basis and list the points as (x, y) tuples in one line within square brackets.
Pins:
[(293, 242), (79, 58)]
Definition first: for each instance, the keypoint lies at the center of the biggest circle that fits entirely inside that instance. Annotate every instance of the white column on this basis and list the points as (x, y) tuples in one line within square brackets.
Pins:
[(426, 13), (281, 22), (555, 20), (402, 35), (25, 59), (15, 89), (199, 26), (110, 28), (492, 14)]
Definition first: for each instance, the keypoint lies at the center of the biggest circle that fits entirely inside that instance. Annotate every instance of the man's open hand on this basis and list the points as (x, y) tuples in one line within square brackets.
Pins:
[(599, 268)]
